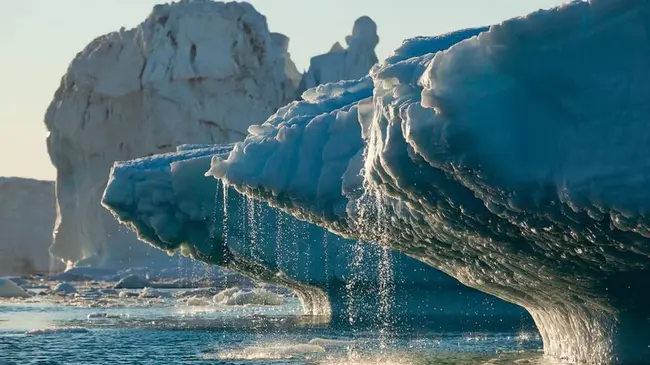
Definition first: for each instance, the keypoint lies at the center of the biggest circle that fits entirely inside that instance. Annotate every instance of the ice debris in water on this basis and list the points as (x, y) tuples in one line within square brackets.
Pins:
[(196, 301), (236, 296), (152, 293), (132, 282), (64, 289), (103, 315), (8, 289)]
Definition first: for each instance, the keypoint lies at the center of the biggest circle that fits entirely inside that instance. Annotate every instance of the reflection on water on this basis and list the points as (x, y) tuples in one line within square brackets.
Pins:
[(144, 330)]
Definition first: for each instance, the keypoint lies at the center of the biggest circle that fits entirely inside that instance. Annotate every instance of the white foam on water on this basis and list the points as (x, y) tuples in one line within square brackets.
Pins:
[(268, 352), (236, 296), (329, 342), (56, 330), (413, 358)]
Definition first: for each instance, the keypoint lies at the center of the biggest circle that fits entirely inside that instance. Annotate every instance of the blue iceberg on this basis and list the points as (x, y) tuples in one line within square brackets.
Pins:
[(514, 161), (173, 206)]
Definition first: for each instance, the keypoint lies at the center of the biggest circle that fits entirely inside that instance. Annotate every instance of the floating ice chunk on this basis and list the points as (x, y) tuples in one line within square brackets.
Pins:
[(128, 294), (235, 296), (103, 315), (152, 293), (64, 289), (202, 292), (197, 301), (224, 295), (132, 282), (8, 289)]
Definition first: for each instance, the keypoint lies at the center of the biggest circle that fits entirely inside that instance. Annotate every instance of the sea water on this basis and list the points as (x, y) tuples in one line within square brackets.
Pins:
[(160, 327)]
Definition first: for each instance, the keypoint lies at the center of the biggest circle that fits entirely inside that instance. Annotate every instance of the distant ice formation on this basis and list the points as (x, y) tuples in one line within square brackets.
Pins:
[(27, 214), (192, 72), (515, 161), (281, 42), (344, 64)]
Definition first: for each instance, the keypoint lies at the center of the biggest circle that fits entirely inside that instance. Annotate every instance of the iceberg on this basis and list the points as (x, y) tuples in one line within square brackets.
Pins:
[(513, 161), (173, 206), (192, 72), (27, 214), (341, 63), (281, 42)]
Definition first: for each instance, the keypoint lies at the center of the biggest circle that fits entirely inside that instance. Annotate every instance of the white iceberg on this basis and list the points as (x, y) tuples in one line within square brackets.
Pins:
[(192, 72)]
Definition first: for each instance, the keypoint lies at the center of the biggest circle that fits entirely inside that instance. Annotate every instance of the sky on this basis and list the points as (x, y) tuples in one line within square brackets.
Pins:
[(39, 38)]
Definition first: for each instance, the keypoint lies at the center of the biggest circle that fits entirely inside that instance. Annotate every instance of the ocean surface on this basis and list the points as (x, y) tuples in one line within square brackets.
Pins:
[(162, 327)]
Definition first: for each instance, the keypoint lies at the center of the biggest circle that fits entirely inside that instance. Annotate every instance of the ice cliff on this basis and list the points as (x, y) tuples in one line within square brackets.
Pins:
[(341, 63), (172, 205), (513, 161), (192, 72), (27, 214)]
